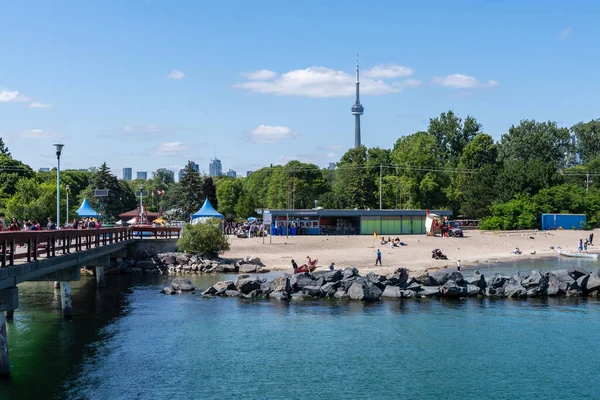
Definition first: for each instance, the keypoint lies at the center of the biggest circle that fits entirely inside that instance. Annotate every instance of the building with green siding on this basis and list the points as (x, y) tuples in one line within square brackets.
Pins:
[(350, 222)]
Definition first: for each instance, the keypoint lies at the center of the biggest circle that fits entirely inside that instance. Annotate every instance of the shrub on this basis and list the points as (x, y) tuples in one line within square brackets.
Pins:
[(203, 238)]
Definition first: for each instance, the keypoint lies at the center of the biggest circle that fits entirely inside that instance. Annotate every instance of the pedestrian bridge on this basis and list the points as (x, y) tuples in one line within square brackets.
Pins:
[(58, 256)]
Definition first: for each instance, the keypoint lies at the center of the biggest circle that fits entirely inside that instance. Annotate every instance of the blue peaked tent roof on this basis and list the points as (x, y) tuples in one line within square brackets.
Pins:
[(206, 211), (85, 210)]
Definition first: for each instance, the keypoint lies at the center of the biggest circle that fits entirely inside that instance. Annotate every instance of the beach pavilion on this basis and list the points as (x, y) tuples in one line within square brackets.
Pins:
[(350, 222), (205, 212), (86, 211)]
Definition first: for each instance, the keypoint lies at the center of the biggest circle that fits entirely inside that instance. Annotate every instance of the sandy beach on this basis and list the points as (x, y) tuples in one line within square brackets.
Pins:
[(476, 247)]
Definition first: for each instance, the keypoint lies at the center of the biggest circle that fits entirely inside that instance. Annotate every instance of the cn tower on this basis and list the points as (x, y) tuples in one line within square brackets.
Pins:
[(357, 110)]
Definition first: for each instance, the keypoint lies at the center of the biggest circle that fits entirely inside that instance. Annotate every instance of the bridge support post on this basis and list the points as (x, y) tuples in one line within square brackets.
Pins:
[(56, 285), (65, 299), (4, 361), (9, 314), (100, 281)]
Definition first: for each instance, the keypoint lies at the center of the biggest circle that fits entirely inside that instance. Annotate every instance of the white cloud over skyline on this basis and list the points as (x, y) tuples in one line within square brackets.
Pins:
[(172, 149), (388, 71), (8, 96), (460, 81), (270, 134), (260, 75)]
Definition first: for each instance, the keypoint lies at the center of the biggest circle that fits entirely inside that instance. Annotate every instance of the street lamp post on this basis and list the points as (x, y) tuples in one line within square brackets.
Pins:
[(67, 220), (59, 148), (141, 205)]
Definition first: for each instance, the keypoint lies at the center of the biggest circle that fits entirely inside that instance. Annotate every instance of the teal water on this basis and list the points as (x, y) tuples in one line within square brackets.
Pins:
[(131, 342)]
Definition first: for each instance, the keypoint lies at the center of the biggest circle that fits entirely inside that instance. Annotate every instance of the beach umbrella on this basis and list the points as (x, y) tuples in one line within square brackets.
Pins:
[(251, 219)]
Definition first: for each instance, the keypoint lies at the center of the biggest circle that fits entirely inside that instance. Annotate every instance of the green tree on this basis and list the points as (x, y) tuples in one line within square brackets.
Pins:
[(209, 191), (119, 197), (11, 171), (203, 238), (33, 200), (190, 192), (4, 149), (352, 187), (295, 185), (228, 192), (257, 186), (588, 139), (162, 178), (452, 135), (246, 206)]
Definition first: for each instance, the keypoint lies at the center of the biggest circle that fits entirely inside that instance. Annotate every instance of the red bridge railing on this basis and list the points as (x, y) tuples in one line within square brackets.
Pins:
[(32, 245)]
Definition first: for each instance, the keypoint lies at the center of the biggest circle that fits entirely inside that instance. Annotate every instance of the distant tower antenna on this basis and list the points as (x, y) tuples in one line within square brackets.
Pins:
[(357, 110)]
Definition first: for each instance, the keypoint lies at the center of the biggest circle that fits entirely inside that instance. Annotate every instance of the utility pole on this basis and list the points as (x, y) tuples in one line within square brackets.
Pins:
[(587, 182), (380, 186)]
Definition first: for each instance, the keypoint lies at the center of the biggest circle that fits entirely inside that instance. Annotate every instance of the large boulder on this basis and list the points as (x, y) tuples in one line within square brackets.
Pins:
[(328, 276), (281, 284), (477, 280), (391, 292), (497, 281), (168, 260), (577, 272), (429, 291), (349, 272), (535, 278), (247, 268), (442, 277), (563, 276), (253, 260), (329, 288), (398, 277), (281, 295), (247, 285), (219, 288), (183, 284), (232, 293), (182, 259), (299, 296), (556, 287), (453, 289), (298, 281), (365, 291), (314, 291), (425, 279), (473, 290), (515, 291), (593, 282), (582, 283), (226, 268)]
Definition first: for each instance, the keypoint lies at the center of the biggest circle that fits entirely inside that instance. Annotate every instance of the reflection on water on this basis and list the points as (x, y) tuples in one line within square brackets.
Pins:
[(129, 341)]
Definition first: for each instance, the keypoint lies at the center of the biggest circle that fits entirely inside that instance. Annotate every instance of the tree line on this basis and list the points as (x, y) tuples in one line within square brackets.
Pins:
[(535, 167)]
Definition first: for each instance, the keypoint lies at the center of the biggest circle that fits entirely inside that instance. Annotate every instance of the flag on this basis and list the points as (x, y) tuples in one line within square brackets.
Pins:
[(426, 212), (160, 192), (375, 234)]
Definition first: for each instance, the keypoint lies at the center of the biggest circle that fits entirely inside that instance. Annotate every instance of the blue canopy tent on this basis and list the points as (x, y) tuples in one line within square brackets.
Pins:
[(85, 210), (205, 212)]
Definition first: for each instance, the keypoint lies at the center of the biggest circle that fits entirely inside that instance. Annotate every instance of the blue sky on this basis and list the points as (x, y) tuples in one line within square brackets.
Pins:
[(151, 84)]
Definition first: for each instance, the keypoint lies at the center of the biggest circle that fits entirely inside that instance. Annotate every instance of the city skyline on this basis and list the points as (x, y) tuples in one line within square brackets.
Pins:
[(142, 99)]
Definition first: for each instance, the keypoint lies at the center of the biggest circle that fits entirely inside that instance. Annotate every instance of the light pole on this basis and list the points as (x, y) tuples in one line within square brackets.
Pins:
[(67, 220), (59, 148), (141, 205)]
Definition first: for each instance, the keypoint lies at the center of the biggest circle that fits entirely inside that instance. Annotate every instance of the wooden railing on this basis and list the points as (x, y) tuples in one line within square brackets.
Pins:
[(141, 232), (35, 244)]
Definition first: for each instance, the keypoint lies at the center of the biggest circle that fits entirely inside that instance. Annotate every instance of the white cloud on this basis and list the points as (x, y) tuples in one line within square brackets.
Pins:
[(260, 75), (322, 82), (37, 104), (143, 128), (460, 81), (7, 96), (388, 71), (172, 149), (565, 33), (331, 155), (271, 134), (37, 134), (176, 74)]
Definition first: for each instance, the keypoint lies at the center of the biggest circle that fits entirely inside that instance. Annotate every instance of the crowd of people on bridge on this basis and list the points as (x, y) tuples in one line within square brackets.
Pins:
[(32, 225)]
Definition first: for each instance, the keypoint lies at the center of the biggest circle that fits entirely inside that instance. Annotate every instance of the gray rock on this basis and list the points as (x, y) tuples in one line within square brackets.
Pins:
[(582, 283), (494, 292), (182, 284), (577, 272), (312, 290), (415, 287), (333, 276), (593, 282), (429, 291), (535, 278), (248, 285), (299, 296), (365, 291), (533, 291), (340, 295), (477, 280), (222, 286), (452, 289), (346, 283), (398, 277), (563, 276), (349, 272), (443, 277), (329, 286), (497, 281), (319, 282), (281, 284), (226, 268), (280, 295), (391, 292), (425, 279), (473, 290), (166, 290), (376, 279), (253, 261), (515, 291), (408, 294), (251, 295), (169, 260), (232, 293), (182, 259), (247, 268), (298, 281), (556, 287)]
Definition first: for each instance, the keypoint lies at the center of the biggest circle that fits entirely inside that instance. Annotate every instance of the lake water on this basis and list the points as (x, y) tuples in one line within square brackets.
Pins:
[(128, 341)]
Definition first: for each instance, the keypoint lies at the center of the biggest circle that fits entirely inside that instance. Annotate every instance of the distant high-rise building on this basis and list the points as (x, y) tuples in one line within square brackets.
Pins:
[(127, 174), (172, 173), (44, 169), (331, 166), (231, 173), (215, 168), (248, 173), (180, 175), (196, 167), (142, 175)]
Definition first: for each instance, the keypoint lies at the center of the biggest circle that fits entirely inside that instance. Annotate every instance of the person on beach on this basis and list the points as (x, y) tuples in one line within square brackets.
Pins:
[(294, 266), (458, 265), (331, 266), (585, 244), (580, 245), (591, 238), (378, 260)]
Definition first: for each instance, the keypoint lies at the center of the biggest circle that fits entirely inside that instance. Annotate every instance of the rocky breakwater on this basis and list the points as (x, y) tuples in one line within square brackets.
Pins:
[(348, 284), (183, 263)]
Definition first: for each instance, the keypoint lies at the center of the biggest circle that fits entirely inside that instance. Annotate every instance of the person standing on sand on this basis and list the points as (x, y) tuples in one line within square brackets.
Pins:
[(378, 260), (458, 266), (591, 238), (295, 266)]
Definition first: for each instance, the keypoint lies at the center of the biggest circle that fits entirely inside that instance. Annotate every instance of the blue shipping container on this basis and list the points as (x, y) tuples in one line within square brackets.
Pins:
[(564, 221)]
